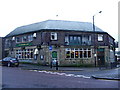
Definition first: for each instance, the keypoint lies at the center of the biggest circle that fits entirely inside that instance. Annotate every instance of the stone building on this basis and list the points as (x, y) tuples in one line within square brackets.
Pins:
[(69, 42)]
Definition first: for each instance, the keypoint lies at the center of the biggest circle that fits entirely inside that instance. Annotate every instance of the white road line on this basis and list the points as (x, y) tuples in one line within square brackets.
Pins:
[(40, 71), (78, 76), (35, 70), (69, 75), (62, 74)]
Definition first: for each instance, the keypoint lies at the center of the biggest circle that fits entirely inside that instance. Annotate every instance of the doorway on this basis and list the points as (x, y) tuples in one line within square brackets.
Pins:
[(101, 56), (54, 57), (54, 54)]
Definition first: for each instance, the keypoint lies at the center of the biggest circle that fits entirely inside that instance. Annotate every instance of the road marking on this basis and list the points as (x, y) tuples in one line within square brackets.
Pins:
[(69, 75), (62, 74), (57, 73)]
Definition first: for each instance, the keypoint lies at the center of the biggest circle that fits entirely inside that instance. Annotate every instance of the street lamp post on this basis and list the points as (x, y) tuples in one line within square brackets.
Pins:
[(95, 55)]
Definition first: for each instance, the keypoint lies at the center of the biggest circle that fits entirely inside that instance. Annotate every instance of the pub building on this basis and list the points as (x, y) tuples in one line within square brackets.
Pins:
[(69, 42)]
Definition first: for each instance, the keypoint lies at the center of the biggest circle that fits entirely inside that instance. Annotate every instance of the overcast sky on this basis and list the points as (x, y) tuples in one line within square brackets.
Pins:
[(15, 13)]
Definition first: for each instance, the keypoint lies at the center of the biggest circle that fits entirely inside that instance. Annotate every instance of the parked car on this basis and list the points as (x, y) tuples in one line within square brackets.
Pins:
[(10, 61)]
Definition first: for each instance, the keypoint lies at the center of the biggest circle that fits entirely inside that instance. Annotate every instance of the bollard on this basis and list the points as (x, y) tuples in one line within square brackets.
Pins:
[(51, 64), (99, 63), (111, 65)]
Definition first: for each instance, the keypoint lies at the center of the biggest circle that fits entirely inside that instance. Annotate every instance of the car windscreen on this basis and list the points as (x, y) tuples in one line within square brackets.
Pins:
[(13, 59), (8, 59)]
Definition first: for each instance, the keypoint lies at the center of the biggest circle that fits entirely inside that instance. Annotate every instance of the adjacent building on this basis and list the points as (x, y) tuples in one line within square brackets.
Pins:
[(1, 48), (69, 42), (119, 41)]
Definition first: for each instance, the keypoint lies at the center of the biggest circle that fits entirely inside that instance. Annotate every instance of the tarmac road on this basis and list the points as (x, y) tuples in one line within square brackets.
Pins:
[(15, 77)]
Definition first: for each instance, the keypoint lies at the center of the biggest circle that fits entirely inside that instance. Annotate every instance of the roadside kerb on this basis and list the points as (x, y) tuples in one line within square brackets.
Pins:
[(105, 78)]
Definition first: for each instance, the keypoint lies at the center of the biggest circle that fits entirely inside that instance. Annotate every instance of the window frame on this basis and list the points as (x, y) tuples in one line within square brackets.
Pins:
[(100, 37), (23, 54), (55, 34), (24, 38), (80, 52), (17, 39), (30, 38)]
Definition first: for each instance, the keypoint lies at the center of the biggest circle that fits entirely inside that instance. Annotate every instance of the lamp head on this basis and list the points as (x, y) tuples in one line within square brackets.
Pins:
[(100, 12)]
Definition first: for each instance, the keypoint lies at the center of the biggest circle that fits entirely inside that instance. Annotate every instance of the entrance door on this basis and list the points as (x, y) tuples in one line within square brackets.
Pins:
[(54, 57), (101, 56)]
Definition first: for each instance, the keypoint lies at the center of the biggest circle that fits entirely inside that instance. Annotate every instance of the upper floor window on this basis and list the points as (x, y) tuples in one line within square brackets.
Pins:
[(66, 40), (24, 38), (75, 39), (17, 39), (53, 36), (111, 41), (30, 37), (80, 40), (100, 37), (86, 39)]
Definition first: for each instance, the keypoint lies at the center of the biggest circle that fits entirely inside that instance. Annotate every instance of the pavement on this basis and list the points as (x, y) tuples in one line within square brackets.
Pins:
[(86, 72)]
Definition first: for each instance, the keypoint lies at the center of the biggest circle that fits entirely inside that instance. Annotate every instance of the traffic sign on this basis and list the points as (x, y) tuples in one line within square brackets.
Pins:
[(50, 48)]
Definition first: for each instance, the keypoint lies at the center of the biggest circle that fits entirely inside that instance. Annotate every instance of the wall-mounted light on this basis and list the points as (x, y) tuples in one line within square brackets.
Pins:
[(13, 38), (34, 35)]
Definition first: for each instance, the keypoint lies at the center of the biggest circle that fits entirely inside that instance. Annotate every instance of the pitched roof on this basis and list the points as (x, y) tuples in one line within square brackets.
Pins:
[(55, 25)]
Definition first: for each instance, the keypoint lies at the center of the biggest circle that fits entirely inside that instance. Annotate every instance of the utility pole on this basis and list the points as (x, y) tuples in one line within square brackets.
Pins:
[(95, 51)]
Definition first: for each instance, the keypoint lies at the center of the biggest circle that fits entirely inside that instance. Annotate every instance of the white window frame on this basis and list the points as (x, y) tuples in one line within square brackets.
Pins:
[(78, 49), (100, 37), (19, 56), (55, 36), (67, 40)]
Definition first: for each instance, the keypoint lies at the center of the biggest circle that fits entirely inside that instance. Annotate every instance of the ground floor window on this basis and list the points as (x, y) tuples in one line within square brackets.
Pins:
[(78, 53), (24, 54)]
